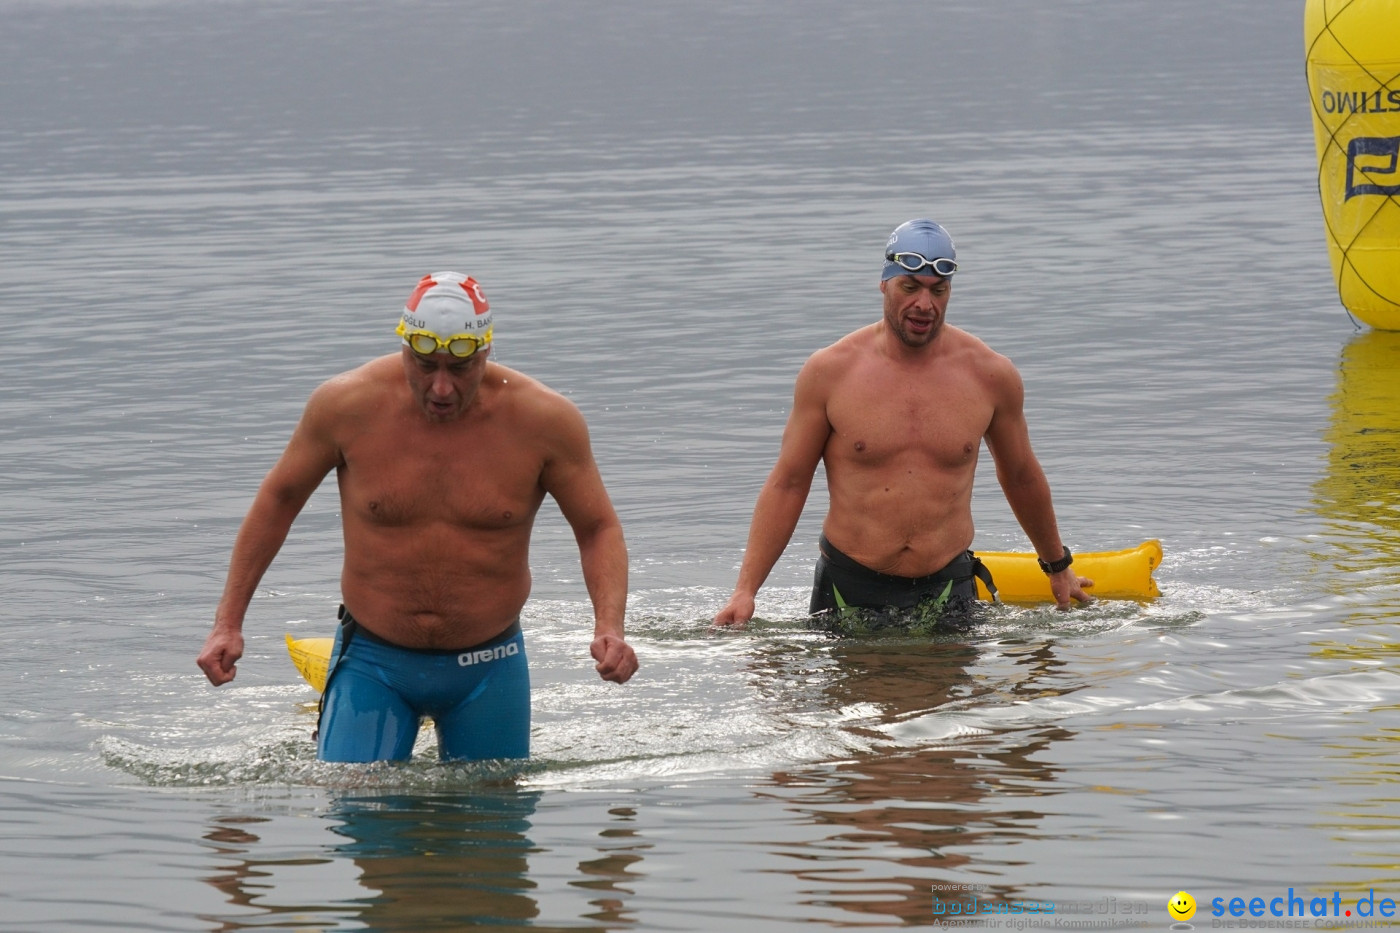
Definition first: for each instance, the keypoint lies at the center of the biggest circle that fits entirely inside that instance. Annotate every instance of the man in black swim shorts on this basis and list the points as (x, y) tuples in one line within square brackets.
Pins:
[(897, 413)]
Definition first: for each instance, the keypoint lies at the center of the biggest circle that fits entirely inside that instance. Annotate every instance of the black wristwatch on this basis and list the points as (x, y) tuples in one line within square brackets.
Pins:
[(1055, 566)]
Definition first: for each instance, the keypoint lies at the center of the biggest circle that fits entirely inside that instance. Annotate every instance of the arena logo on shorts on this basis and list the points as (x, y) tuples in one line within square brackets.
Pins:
[(482, 656)]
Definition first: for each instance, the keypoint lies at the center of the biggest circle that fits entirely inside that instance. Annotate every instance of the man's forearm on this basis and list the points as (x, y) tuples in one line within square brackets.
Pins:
[(603, 554), (775, 518), (1031, 503), (260, 537)]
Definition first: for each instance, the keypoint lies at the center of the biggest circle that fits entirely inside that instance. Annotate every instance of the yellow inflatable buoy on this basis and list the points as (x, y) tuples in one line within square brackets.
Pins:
[(1353, 65), (1125, 574), (312, 658)]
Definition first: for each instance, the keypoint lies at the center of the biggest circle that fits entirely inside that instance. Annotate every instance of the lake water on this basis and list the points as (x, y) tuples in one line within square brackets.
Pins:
[(208, 207)]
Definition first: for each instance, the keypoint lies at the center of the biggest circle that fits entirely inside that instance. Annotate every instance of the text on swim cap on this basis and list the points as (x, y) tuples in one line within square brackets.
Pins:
[(414, 323)]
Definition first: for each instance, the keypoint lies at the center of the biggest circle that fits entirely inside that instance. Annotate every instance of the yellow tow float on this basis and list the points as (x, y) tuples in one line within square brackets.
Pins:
[(1125, 574)]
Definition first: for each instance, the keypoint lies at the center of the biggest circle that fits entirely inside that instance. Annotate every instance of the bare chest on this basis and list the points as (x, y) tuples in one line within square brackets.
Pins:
[(478, 479), (880, 419)]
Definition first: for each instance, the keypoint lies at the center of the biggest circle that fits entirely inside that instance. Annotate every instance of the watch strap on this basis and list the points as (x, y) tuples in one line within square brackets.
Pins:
[(1055, 566)]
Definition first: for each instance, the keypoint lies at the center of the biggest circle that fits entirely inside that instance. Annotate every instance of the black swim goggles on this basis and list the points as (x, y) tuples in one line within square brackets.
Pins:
[(915, 262)]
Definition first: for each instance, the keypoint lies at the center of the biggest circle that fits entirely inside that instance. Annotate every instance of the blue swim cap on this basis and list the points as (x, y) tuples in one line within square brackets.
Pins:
[(922, 238)]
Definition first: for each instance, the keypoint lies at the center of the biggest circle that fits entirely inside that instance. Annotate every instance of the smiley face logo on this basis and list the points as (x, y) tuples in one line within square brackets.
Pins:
[(1182, 906)]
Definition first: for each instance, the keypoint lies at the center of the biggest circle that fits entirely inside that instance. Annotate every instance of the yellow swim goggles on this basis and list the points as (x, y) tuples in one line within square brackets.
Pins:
[(426, 343)]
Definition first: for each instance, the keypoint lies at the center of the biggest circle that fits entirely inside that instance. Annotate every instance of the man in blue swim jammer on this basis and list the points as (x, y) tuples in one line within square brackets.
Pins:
[(443, 459), (897, 412)]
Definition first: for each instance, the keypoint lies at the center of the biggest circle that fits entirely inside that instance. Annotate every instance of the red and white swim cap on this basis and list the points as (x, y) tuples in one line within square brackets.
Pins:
[(449, 305)]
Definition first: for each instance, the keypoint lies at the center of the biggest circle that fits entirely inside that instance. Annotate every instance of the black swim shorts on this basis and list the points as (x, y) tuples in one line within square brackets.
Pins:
[(842, 584)]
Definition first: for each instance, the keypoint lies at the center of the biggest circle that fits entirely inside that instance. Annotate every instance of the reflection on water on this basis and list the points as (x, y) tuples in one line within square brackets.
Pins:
[(434, 860), (892, 823), (421, 862), (1359, 494), (1358, 497)]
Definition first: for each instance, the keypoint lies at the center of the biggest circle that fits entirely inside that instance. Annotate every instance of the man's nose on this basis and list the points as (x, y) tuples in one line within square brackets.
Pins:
[(442, 383)]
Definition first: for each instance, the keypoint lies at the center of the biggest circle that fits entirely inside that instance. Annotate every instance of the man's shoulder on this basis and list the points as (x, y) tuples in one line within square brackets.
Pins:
[(525, 395), (533, 414), (356, 394), (516, 386), (378, 375), (973, 347), (856, 343), (971, 357)]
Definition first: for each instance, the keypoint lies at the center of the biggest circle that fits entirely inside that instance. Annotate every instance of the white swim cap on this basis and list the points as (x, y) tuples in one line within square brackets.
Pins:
[(447, 305)]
